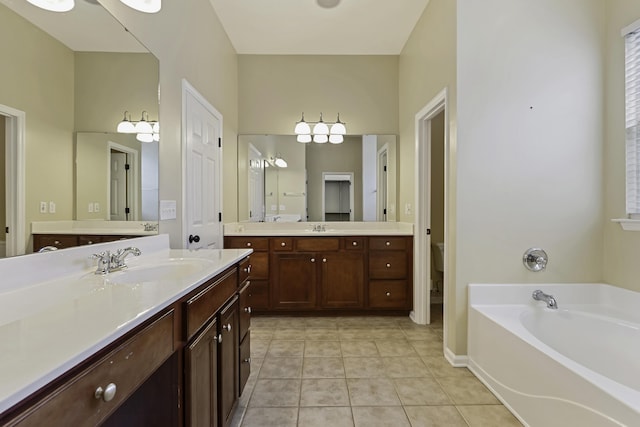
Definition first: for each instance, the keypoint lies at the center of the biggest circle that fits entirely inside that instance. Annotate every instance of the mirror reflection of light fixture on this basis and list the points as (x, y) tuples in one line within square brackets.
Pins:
[(147, 131), (144, 137), (146, 6), (277, 161), (54, 5), (321, 131), (143, 126)]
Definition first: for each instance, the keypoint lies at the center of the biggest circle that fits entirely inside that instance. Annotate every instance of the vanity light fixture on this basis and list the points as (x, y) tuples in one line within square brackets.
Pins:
[(126, 126), (277, 161), (322, 133), (146, 6), (143, 126), (147, 131), (54, 5)]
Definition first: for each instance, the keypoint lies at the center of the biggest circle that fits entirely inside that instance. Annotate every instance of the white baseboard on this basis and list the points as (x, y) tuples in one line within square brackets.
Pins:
[(455, 360)]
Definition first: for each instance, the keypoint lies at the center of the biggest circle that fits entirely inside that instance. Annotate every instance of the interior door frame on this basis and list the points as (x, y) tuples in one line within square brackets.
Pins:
[(382, 188), (327, 176), (133, 181), (421, 313), (189, 89), (15, 142)]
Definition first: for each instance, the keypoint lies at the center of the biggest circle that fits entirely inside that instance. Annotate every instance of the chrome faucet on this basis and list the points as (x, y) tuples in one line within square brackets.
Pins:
[(108, 262), (319, 227), (538, 295)]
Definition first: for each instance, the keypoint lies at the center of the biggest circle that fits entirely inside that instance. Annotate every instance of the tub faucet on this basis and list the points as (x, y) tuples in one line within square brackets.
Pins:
[(538, 295)]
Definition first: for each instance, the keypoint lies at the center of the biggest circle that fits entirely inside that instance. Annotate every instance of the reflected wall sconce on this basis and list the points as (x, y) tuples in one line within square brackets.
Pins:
[(146, 6), (277, 161), (322, 133), (145, 130)]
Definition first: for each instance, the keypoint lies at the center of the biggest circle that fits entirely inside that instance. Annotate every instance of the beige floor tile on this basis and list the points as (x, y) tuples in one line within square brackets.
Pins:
[(384, 333), (350, 334), (358, 348), (440, 367), (380, 416), (325, 417), (281, 367), (324, 392), (323, 367), (431, 348), (270, 417), (434, 416), (264, 322), (372, 392), (421, 334), (405, 367), (467, 391), (261, 334), (395, 348), (259, 348), (364, 367), (321, 322), (284, 348), (321, 334), (421, 391), (289, 334), (322, 349), (275, 393), (488, 416)]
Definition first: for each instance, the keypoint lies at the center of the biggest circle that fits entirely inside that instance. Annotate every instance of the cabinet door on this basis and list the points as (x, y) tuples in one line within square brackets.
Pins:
[(342, 280), (228, 361), (201, 364), (294, 281), (245, 310)]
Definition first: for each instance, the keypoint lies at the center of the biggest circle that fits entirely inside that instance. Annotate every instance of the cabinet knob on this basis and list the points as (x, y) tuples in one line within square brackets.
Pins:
[(247, 310), (247, 269), (388, 265), (218, 338), (247, 360), (56, 242), (227, 327), (106, 394), (388, 294), (248, 244), (324, 260), (283, 244), (354, 243), (313, 260), (90, 242)]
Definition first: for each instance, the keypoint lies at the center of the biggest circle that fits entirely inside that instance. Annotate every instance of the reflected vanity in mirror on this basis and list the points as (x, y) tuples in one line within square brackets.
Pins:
[(67, 79), (282, 180)]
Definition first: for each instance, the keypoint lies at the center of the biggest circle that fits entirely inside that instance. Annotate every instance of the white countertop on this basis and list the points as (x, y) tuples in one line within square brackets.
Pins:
[(307, 229), (54, 312)]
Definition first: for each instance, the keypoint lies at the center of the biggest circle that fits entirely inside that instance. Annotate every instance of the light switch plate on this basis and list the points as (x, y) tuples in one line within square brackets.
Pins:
[(43, 207), (52, 207), (168, 209)]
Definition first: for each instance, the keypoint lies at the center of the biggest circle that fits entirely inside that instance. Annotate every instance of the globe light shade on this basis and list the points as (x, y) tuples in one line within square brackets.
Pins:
[(54, 5), (304, 138), (302, 128), (144, 127), (338, 128), (126, 126), (146, 6), (336, 139), (144, 137), (321, 128), (320, 139)]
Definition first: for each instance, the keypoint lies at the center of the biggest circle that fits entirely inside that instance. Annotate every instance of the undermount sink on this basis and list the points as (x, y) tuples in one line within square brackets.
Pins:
[(170, 269)]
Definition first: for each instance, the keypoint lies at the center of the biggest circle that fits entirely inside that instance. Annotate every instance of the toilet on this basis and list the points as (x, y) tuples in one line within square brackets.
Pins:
[(437, 254)]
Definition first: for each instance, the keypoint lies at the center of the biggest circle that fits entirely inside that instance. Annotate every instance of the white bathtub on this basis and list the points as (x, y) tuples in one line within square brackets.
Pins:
[(575, 366)]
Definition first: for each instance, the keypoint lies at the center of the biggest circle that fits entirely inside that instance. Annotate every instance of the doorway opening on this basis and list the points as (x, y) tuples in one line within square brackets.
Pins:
[(431, 196), (337, 196), (123, 183)]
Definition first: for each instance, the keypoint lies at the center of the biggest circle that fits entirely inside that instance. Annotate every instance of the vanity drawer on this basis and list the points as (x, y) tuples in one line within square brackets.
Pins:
[(279, 244), (255, 243), (245, 361), (60, 241), (128, 366), (388, 294), (387, 243), (245, 270), (259, 295), (203, 306), (354, 243), (245, 311), (387, 265), (318, 244)]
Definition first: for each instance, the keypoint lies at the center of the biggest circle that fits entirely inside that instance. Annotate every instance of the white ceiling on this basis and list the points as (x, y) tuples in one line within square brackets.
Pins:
[(303, 27), (86, 28)]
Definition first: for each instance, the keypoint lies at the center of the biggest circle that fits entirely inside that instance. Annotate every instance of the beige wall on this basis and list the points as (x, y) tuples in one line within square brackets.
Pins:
[(529, 148), (427, 66), (621, 248), (190, 43), (39, 81)]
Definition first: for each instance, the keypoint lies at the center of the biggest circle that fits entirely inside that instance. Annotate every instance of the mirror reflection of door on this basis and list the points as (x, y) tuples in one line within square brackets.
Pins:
[(3, 192), (338, 196), (381, 201), (256, 185), (120, 196)]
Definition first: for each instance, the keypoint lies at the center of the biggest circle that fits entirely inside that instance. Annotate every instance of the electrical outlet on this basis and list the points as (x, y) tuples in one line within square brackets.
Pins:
[(90, 208), (96, 207), (43, 207), (407, 209), (52, 207)]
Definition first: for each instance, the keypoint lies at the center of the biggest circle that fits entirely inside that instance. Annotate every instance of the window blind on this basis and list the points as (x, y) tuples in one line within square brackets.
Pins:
[(632, 120)]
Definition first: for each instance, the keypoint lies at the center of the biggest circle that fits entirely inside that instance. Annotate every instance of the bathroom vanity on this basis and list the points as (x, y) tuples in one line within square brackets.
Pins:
[(331, 267), (164, 342)]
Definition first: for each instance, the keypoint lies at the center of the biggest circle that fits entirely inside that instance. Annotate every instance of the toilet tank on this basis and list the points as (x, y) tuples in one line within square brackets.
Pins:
[(437, 249)]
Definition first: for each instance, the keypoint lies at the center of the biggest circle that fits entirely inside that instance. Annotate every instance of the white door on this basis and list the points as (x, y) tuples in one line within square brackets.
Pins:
[(118, 187), (256, 185), (381, 201), (203, 183)]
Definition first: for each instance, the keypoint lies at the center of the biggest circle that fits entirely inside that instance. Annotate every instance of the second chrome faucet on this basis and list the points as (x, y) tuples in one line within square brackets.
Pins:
[(108, 262)]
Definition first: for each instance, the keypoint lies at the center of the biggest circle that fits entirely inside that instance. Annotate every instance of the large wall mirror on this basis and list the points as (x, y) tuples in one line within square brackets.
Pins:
[(282, 180), (73, 75)]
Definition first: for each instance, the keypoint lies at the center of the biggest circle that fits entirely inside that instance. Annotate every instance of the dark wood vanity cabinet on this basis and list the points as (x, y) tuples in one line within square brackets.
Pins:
[(63, 241), (330, 273)]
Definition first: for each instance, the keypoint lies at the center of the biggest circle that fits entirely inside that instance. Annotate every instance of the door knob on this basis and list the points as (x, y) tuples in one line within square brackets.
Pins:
[(193, 238)]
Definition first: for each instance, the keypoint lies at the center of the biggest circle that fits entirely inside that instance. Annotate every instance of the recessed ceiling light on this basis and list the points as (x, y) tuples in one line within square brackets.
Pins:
[(328, 4)]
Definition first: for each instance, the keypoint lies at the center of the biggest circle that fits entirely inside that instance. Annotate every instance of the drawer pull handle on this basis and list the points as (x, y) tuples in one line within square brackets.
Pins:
[(247, 360), (388, 243), (248, 244), (247, 269), (247, 310), (107, 394), (227, 327), (283, 244), (354, 243), (388, 265), (324, 260), (388, 294), (313, 260)]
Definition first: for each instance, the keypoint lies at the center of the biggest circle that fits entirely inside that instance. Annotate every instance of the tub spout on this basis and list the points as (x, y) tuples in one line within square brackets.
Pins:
[(538, 295)]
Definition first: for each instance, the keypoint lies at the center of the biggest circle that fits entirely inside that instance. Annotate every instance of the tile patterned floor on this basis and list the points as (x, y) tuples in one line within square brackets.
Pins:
[(356, 372)]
